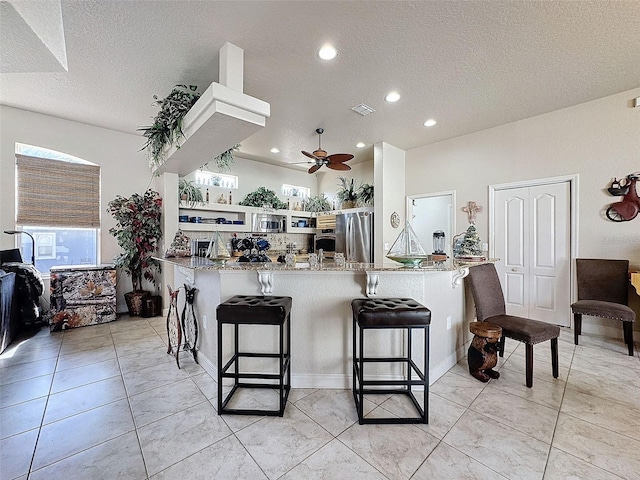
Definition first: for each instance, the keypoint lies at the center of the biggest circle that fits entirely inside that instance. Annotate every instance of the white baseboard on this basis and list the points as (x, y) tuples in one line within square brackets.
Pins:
[(208, 365)]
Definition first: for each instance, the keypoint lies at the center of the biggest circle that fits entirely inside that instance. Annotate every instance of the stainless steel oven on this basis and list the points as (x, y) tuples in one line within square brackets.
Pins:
[(326, 242)]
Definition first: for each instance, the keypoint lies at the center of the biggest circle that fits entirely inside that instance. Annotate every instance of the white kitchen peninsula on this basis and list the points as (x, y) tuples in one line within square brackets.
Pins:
[(321, 322)]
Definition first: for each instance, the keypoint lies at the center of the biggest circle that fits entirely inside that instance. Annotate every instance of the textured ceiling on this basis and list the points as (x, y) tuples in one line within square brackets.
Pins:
[(469, 65)]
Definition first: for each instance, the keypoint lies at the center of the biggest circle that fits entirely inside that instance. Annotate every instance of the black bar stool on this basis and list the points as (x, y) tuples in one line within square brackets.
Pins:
[(255, 310), (390, 313)]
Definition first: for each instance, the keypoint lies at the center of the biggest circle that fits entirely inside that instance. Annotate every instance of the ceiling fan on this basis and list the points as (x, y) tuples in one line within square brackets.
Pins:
[(334, 161)]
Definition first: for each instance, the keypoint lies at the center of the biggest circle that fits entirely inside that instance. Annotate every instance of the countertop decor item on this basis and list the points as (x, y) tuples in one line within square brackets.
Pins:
[(166, 128), (180, 246), (138, 232), (468, 246), (407, 249), (263, 196)]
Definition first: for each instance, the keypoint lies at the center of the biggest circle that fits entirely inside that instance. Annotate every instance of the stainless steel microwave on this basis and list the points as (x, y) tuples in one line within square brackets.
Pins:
[(267, 223)]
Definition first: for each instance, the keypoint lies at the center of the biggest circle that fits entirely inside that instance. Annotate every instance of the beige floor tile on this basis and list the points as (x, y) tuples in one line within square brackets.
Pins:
[(86, 397), (542, 370), (296, 394), (176, 437), (66, 437), (608, 450), (76, 377), (562, 466), (447, 462), (623, 393), (397, 451), (25, 390), (334, 410), (80, 344), (21, 417), (523, 415), (139, 381), (333, 461), (148, 357), (16, 453), (277, 444), (85, 357), (128, 324), (26, 371), (207, 385), (608, 368), (543, 392), (140, 344), (462, 390), (86, 331), (116, 458), (160, 402), (225, 459), (501, 448)]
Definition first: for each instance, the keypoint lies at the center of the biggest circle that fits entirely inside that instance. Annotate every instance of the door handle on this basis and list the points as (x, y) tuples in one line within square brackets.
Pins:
[(514, 269)]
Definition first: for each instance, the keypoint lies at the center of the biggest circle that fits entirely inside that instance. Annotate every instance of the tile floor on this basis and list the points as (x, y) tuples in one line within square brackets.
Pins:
[(107, 402)]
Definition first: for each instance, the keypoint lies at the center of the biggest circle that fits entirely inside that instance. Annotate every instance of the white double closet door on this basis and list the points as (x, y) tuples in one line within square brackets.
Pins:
[(532, 235)]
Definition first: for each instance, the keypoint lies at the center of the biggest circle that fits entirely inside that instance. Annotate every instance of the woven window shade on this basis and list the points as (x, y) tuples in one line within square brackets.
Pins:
[(55, 193)]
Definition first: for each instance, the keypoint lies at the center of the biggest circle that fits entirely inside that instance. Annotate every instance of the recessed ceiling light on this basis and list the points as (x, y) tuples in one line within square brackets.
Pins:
[(392, 97), (360, 145), (275, 150), (430, 123), (327, 52)]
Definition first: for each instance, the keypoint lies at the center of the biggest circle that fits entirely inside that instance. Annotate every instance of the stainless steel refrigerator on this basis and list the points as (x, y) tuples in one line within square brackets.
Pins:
[(354, 236)]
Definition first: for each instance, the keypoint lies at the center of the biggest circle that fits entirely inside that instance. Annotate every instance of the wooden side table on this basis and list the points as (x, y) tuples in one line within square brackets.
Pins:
[(634, 278), (482, 355)]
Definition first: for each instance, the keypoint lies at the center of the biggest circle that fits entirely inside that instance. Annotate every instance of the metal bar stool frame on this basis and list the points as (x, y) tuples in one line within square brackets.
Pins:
[(407, 383), (284, 370)]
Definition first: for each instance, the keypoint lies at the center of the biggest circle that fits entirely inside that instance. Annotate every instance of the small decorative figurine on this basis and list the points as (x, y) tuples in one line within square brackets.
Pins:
[(221, 198), (482, 355), (180, 246), (174, 332), (189, 322)]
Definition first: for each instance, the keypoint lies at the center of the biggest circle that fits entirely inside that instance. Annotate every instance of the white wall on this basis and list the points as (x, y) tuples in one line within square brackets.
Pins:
[(124, 169), (597, 140)]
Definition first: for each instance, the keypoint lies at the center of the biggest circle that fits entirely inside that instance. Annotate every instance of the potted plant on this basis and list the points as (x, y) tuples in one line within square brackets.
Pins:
[(138, 232), (319, 203), (189, 192), (347, 193), (166, 128), (365, 195), (261, 197)]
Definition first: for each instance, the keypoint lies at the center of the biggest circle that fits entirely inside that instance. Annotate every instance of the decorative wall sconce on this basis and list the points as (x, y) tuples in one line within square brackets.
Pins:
[(627, 209)]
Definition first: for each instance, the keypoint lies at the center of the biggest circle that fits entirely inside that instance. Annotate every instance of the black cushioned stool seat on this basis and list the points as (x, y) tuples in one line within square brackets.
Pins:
[(255, 310), (390, 313)]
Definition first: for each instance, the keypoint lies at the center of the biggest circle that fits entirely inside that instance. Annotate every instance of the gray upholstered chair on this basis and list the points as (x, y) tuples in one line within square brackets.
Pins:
[(490, 307), (603, 291)]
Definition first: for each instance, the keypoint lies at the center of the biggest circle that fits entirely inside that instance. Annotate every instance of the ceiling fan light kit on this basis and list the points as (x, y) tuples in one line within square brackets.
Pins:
[(334, 161)]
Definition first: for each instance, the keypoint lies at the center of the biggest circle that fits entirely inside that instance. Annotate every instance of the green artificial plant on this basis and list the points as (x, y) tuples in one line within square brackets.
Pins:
[(319, 203), (189, 192), (263, 196)]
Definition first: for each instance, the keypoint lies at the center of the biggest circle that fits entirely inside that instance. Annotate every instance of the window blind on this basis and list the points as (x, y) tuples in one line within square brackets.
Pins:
[(56, 193)]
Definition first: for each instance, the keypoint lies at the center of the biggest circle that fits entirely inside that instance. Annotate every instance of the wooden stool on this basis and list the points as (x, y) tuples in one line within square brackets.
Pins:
[(482, 355)]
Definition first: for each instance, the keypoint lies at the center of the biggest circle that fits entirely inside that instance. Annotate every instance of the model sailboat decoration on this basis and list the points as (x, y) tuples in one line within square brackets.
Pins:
[(217, 252)]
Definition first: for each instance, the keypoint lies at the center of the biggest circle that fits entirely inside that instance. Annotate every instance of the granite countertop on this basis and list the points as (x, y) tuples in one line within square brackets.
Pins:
[(201, 263)]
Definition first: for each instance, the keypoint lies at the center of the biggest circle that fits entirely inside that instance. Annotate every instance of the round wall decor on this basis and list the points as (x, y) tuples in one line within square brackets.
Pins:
[(395, 220)]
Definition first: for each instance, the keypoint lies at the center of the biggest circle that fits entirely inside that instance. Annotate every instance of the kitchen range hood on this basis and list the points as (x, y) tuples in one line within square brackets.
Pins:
[(222, 117)]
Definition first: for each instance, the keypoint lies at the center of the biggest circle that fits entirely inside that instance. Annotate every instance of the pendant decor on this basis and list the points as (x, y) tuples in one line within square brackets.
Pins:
[(174, 331), (190, 323), (627, 209)]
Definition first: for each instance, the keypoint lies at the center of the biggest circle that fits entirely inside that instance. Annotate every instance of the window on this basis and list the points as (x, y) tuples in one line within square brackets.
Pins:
[(58, 203), (295, 191), (211, 179)]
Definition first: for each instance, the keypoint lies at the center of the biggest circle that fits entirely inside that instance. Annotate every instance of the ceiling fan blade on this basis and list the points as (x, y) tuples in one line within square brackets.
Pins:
[(314, 168), (310, 155), (340, 157), (339, 166)]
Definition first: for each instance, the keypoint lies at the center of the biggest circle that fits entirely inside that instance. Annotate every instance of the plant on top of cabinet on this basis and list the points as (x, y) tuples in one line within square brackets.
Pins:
[(261, 197), (319, 203), (189, 193), (166, 128), (138, 232), (347, 193), (365, 195)]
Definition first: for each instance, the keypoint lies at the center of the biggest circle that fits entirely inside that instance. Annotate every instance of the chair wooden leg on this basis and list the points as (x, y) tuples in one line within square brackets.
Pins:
[(554, 356), (529, 364), (501, 346), (577, 327), (628, 335)]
